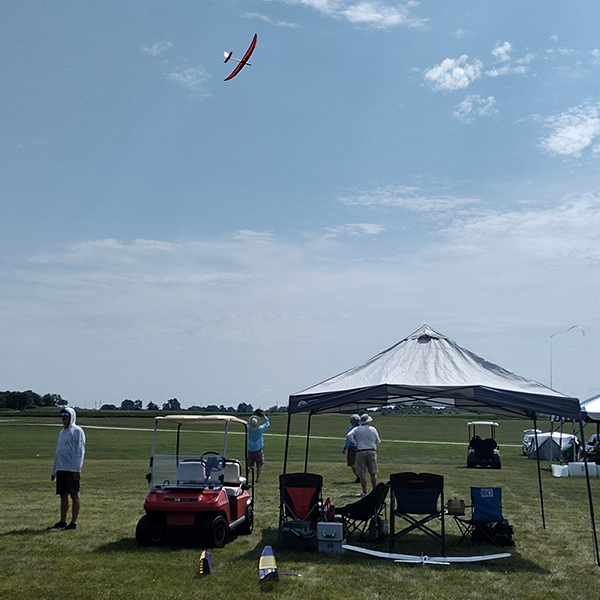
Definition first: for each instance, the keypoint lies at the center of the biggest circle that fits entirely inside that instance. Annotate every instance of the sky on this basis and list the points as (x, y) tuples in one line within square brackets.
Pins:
[(380, 166)]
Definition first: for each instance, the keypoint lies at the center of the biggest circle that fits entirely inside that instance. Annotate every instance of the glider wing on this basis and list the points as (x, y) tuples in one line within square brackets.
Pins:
[(244, 60)]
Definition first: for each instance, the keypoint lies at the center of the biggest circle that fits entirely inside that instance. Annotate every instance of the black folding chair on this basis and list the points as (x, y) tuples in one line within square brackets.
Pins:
[(486, 525), (417, 499), (359, 515)]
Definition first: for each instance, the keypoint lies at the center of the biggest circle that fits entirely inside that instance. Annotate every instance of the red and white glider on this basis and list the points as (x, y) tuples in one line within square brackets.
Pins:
[(241, 62)]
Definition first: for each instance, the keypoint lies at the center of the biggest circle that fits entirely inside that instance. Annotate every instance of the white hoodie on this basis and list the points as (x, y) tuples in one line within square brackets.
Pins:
[(70, 447)]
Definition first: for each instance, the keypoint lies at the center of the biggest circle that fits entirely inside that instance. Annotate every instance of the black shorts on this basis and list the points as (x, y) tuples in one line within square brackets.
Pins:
[(65, 483)]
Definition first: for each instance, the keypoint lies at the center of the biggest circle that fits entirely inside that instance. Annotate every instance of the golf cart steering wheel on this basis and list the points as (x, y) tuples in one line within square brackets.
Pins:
[(214, 459)]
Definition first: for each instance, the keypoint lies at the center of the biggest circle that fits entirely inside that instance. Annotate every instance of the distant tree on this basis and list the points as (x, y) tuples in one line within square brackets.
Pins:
[(213, 408), (195, 408), (52, 400), (137, 405), (245, 408), (108, 407), (127, 404), (151, 406), (172, 404)]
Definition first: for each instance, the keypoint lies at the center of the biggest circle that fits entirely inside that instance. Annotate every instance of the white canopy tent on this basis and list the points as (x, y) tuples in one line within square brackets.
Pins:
[(428, 366), (590, 408)]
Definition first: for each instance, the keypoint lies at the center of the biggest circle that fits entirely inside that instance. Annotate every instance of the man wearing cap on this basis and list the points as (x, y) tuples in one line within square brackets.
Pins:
[(256, 454), (66, 472), (366, 438), (350, 449)]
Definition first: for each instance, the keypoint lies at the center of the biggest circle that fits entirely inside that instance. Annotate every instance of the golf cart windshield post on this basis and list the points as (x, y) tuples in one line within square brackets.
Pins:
[(151, 469), (225, 442)]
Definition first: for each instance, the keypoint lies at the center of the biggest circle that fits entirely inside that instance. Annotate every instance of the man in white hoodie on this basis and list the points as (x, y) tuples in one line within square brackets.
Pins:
[(66, 472)]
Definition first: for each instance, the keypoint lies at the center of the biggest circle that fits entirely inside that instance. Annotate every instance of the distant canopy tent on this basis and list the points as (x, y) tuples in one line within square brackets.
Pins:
[(549, 446), (590, 409), (428, 366)]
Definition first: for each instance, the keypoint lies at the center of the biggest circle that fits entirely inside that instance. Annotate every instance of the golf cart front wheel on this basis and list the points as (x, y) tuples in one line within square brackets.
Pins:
[(150, 531)]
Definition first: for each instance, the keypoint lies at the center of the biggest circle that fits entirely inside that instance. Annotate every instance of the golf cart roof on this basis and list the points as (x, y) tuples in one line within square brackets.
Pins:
[(181, 419), (482, 423)]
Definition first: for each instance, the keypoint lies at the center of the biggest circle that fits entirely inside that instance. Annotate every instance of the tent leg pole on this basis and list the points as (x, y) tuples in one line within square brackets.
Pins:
[(539, 470), (307, 441), (589, 491), (287, 444)]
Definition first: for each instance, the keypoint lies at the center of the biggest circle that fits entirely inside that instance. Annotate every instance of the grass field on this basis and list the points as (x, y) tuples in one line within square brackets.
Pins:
[(102, 560)]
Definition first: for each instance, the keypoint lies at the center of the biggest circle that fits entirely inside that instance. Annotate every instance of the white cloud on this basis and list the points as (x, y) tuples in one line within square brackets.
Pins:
[(453, 73), (573, 131), (268, 19), (595, 56), (474, 106), (375, 13), (157, 48), (191, 79), (412, 199), (354, 229), (502, 51)]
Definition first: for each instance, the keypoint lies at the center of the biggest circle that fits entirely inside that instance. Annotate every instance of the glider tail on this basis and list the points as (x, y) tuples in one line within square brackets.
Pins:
[(228, 56)]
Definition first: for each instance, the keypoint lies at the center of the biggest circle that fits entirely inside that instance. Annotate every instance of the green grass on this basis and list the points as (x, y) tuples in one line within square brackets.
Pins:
[(102, 560)]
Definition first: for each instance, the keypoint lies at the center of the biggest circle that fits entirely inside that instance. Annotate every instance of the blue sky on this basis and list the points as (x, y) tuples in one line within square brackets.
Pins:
[(381, 165)]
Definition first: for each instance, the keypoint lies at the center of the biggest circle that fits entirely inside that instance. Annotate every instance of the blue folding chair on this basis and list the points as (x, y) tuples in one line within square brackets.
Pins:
[(487, 524), (418, 500)]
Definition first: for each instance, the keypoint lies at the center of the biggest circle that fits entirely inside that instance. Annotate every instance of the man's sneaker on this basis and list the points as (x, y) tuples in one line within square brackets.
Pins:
[(59, 525), (363, 494), (70, 526), (357, 480)]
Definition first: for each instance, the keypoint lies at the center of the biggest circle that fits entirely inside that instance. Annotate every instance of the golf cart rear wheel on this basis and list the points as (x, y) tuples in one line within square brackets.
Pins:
[(248, 525), (150, 531), (213, 532)]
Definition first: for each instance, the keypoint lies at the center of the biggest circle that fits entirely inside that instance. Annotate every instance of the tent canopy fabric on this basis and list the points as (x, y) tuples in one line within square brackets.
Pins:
[(430, 367), (549, 445), (590, 409)]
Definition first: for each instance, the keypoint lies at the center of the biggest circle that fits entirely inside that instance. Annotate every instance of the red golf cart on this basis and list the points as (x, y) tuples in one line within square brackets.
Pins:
[(204, 494)]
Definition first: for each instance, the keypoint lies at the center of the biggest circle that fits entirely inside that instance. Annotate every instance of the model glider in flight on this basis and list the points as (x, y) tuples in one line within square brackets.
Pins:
[(241, 62)]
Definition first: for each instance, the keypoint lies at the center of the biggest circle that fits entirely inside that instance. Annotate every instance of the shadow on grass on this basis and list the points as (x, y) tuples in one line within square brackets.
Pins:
[(26, 531), (515, 564)]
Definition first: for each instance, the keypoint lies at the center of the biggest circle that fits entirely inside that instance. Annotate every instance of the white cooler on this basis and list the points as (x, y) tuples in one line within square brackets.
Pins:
[(330, 537), (577, 469), (560, 470)]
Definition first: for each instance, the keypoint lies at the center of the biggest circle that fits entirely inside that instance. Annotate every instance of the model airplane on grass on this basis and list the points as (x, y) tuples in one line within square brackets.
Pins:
[(241, 62), (426, 560)]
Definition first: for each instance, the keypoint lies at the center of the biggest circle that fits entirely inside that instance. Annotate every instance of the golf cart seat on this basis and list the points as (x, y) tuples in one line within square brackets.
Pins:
[(191, 472), (232, 477)]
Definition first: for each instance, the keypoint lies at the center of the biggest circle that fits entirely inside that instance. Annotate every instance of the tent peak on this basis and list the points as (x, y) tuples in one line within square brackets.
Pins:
[(426, 333)]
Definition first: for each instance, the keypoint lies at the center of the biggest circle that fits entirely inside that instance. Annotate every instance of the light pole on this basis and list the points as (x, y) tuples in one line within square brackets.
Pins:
[(566, 331)]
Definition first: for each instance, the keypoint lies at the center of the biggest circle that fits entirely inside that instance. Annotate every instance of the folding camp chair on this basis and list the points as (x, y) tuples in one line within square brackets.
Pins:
[(299, 509), (417, 499), (300, 496), (359, 515), (486, 525)]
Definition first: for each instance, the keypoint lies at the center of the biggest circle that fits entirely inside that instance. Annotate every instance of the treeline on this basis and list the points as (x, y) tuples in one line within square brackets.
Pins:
[(29, 399)]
